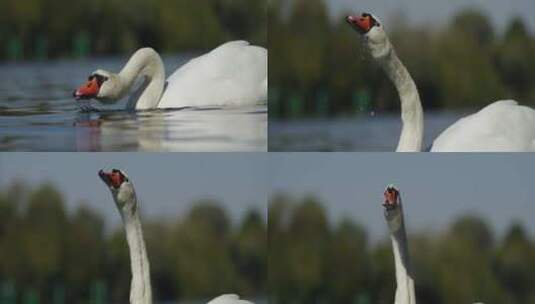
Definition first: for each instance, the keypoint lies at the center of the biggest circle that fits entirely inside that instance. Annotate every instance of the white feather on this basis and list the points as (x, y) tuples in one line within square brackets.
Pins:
[(229, 299), (234, 73)]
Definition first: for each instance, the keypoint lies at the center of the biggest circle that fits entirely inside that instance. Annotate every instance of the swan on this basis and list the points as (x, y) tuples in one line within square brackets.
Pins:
[(393, 212), (235, 73), (501, 126), (396, 225), (124, 195)]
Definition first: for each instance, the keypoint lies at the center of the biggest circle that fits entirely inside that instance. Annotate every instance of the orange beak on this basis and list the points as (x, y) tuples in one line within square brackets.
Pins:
[(88, 90), (112, 179), (363, 24), (391, 198)]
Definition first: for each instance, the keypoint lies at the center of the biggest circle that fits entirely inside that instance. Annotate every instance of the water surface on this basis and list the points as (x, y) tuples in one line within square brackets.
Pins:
[(38, 113), (378, 132)]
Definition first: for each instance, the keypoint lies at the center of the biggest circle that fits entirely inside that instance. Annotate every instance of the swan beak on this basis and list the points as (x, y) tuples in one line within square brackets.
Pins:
[(113, 179), (391, 198), (105, 177), (362, 24), (88, 90)]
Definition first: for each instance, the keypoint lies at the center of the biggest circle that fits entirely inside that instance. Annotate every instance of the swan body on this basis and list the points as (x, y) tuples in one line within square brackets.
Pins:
[(125, 198), (229, 299), (501, 126), (235, 73)]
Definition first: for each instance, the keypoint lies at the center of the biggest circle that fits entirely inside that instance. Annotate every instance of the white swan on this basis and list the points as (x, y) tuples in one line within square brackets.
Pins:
[(396, 225), (235, 73), (124, 195), (501, 126)]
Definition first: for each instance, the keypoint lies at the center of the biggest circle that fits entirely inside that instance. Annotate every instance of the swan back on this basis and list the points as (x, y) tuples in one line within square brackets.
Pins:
[(503, 126), (234, 73), (229, 299)]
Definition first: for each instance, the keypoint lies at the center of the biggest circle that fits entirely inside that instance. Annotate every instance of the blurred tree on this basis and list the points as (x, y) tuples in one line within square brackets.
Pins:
[(308, 234), (465, 263), (466, 72), (250, 252), (348, 265), (57, 255), (201, 248), (516, 259), (188, 24), (117, 267), (243, 18), (320, 67), (42, 236), (476, 26), (516, 61), (84, 258), (160, 247), (124, 25)]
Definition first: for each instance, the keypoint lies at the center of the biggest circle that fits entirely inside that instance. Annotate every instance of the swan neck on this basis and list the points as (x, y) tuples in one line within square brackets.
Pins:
[(412, 118), (404, 279), (146, 63), (140, 287)]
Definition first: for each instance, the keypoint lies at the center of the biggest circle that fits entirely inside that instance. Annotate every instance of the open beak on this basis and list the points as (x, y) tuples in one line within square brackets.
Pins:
[(88, 90), (362, 24)]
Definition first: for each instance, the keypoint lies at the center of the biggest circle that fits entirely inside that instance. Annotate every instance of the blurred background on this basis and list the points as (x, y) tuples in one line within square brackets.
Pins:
[(469, 222), (62, 240), (42, 29), (327, 93), (48, 48)]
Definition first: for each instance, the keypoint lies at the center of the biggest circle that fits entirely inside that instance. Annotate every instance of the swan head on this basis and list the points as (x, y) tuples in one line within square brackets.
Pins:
[(392, 205), (121, 189), (101, 85), (372, 31)]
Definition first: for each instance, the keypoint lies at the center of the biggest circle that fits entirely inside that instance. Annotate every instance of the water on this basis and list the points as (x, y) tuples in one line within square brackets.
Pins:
[(362, 133), (38, 113)]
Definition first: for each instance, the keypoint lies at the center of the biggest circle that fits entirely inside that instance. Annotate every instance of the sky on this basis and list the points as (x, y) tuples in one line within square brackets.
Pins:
[(436, 12), (166, 183), (435, 188)]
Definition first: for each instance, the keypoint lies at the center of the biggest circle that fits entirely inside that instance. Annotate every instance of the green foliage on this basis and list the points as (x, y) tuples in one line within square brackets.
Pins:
[(312, 260), (46, 249), (115, 26), (465, 64)]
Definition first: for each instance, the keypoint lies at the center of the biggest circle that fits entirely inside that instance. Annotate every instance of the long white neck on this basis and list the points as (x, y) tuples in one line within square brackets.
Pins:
[(412, 116), (145, 62), (140, 287), (404, 281)]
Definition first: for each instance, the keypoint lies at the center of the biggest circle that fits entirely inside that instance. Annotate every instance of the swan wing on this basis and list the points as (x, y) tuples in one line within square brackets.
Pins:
[(235, 73), (503, 126), (229, 299)]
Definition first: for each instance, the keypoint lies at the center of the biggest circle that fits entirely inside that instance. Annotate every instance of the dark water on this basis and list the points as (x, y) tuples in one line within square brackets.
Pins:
[(362, 133), (38, 113)]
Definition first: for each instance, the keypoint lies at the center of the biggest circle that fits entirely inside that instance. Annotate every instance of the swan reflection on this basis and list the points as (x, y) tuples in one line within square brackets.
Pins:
[(184, 129)]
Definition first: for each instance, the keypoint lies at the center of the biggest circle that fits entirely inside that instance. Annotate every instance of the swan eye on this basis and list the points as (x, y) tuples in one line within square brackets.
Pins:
[(100, 78)]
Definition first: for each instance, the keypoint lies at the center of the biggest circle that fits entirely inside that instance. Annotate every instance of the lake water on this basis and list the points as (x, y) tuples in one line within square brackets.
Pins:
[(378, 132), (38, 113)]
